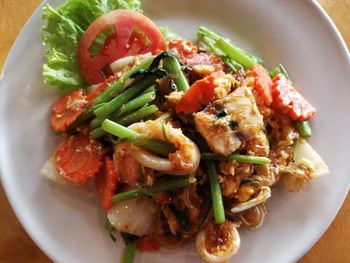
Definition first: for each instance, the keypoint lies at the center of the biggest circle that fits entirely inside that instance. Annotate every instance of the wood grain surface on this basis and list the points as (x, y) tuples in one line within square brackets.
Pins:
[(17, 247)]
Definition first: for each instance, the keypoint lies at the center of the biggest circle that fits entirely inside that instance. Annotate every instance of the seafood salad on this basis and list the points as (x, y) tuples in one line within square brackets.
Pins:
[(161, 125)]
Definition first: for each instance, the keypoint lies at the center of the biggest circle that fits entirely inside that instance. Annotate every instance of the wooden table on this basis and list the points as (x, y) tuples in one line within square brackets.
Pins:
[(16, 245)]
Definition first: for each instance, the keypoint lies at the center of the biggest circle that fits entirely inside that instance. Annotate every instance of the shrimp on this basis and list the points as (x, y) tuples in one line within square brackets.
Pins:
[(129, 169), (184, 160)]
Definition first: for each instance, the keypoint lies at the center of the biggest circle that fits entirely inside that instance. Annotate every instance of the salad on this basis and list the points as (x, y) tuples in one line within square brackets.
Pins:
[(184, 140)]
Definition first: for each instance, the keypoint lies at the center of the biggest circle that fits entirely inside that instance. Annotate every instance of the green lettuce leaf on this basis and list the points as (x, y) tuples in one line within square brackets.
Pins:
[(61, 33)]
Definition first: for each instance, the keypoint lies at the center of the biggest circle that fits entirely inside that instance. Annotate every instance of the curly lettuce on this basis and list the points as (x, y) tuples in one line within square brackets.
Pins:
[(61, 33)]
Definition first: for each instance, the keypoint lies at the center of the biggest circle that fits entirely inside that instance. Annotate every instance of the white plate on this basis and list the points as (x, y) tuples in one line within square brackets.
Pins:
[(67, 223)]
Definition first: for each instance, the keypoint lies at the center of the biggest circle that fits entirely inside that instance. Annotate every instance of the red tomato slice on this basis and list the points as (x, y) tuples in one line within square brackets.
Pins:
[(67, 109), (135, 34), (78, 158)]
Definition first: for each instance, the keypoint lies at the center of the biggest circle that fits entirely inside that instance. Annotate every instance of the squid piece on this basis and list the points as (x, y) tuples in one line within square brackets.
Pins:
[(184, 160), (136, 216), (251, 218), (264, 194), (218, 243)]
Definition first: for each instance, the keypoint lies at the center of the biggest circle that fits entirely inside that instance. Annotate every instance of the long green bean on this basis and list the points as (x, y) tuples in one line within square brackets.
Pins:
[(148, 90), (203, 31), (129, 252), (116, 87), (97, 121), (136, 103), (172, 66), (160, 187), (118, 130), (158, 146), (216, 195), (280, 69), (152, 144), (304, 129), (233, 65), (235, 53), (137, 115), (97, 133), (236, 157), (132, 91)]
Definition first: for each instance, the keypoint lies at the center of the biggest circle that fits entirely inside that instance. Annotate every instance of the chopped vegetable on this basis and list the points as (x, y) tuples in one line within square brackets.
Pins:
[(118, 86), (262, 83), (236, 157), (136, 103), (172, 66), (287, 99), (280, 69), (137, 115), (110, 229), (235, 53), (216, 195), (67, 109), (99, 89), (127, 95), (128, 253), (161, 147), (118, 130), (304, 128), (155, 145), (171, 184), (307, 156), (78, 158), (106, 183)]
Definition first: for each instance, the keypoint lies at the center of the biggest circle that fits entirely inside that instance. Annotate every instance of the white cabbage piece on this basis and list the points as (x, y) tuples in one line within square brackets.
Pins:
[(306, 155)]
